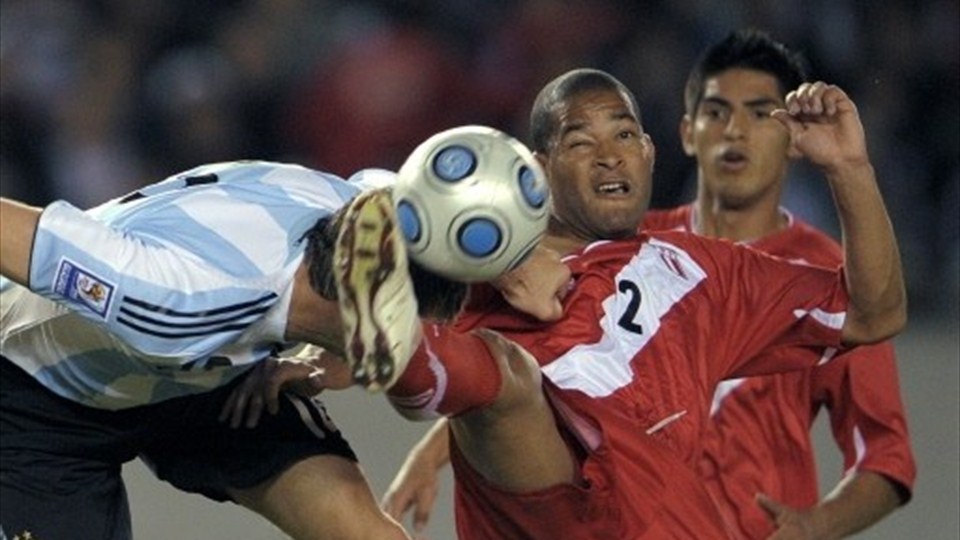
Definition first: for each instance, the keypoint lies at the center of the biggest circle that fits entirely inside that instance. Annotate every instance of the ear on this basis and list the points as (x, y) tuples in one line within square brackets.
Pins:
[(686, 135), (651, 149)]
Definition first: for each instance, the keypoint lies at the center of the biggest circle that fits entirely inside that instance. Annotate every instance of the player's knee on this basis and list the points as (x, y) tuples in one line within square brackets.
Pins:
[(322, 497)]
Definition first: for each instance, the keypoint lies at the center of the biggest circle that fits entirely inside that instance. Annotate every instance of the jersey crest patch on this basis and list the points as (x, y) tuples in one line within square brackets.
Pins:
[(83, 287)]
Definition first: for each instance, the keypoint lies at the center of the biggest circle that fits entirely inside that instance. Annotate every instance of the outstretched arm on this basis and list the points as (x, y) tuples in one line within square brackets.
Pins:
[(18, 225), (826, 129)]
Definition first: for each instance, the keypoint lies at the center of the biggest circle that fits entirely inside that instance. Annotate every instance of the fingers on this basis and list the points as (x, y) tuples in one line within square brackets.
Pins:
[(249, 401), (816, 99), (236, 404), (395, 503), (421, 500), (784, 117), (421, 510), (310, 385), (228, 407), (261, 389), (273, 383)]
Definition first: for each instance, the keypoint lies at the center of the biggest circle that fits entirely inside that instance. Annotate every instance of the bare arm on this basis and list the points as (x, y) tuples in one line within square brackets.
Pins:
[(18, 225), (416, 484), (825, 128), (856, 503)]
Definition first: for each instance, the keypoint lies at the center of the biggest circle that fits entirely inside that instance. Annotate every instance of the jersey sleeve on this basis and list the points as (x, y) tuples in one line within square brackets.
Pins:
[(861, 391), (370, 179), (773, 315), (159, 299)]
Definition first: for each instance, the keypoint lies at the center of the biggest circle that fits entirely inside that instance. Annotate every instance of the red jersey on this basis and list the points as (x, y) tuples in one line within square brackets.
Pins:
[(759, 435), (650, 329)]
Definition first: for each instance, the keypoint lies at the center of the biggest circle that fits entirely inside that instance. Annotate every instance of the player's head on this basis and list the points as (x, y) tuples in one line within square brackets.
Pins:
[(748, 49), (742, 152), (586, 131), (437, 297)]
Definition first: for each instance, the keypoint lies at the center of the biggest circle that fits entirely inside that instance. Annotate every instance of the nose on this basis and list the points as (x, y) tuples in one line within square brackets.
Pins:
[(736, 125), (608, 154)]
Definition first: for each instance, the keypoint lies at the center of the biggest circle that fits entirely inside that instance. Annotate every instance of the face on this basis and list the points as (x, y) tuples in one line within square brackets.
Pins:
[(742, 152), (599, 166)]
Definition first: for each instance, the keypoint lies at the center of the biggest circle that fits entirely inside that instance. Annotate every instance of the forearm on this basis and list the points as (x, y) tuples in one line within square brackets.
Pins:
[(856, 503), (872, 265), (434, 447), (18, 226)]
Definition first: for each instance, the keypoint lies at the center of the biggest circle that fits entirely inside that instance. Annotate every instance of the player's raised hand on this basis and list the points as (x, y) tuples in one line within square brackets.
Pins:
[(824, 126)]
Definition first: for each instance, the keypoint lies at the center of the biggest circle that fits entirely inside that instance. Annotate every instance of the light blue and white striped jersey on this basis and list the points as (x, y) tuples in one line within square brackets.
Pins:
[(171, 290)]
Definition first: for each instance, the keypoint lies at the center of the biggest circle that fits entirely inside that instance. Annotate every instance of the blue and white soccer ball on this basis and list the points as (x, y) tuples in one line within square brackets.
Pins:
[(472, 203)]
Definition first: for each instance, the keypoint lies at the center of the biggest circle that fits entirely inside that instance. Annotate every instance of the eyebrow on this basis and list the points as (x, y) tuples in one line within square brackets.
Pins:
[(759, 102), (624, 114)]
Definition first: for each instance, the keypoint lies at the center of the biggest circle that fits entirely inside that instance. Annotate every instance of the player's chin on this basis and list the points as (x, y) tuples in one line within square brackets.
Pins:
[(619, 221)]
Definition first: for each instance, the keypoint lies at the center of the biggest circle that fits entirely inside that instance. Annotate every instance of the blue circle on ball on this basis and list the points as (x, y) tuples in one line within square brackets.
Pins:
[(454, 163), (479, 237), (533, 191), (409, 221)]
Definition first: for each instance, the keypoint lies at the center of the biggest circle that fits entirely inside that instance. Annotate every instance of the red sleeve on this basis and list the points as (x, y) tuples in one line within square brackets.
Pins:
[(861, 390), (771, 306)]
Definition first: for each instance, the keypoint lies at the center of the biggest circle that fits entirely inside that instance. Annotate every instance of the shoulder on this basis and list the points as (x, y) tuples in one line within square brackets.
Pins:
[(802, 241), (667, 219)]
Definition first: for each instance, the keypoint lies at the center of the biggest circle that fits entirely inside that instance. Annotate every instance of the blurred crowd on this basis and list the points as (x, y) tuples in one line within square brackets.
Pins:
[(101, 96)]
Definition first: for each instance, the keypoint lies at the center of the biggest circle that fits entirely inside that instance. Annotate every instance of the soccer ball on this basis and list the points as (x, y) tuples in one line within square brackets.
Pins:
[(472, 202)]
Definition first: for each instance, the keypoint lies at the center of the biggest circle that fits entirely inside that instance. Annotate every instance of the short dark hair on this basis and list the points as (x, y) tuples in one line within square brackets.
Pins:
[(437, 297), (747, 49), (543, 118)]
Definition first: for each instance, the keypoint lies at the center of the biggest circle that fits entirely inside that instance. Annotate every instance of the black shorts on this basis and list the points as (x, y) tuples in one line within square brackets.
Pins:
[(60, 461)]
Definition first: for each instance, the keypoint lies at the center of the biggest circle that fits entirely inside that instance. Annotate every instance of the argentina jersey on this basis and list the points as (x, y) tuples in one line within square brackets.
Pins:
[(171, 290)]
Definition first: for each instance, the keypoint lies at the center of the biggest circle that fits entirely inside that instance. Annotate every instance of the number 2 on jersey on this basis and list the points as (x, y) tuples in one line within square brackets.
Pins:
[(627, 320)]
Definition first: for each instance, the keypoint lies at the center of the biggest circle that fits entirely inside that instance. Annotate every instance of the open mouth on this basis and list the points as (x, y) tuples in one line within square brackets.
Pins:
[(733, 157), (613, 188)]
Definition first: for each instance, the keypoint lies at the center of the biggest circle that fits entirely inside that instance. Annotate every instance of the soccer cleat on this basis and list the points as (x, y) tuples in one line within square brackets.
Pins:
[(377, 303)]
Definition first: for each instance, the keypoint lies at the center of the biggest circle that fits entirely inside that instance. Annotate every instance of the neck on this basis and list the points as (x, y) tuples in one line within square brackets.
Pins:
[(563, 245), (562, 238), (312, 318), (741, 224)]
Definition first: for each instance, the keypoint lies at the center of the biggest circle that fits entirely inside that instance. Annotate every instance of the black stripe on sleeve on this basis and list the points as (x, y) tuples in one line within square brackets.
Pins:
[(158, 322), (197, 314), (180, 335)]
